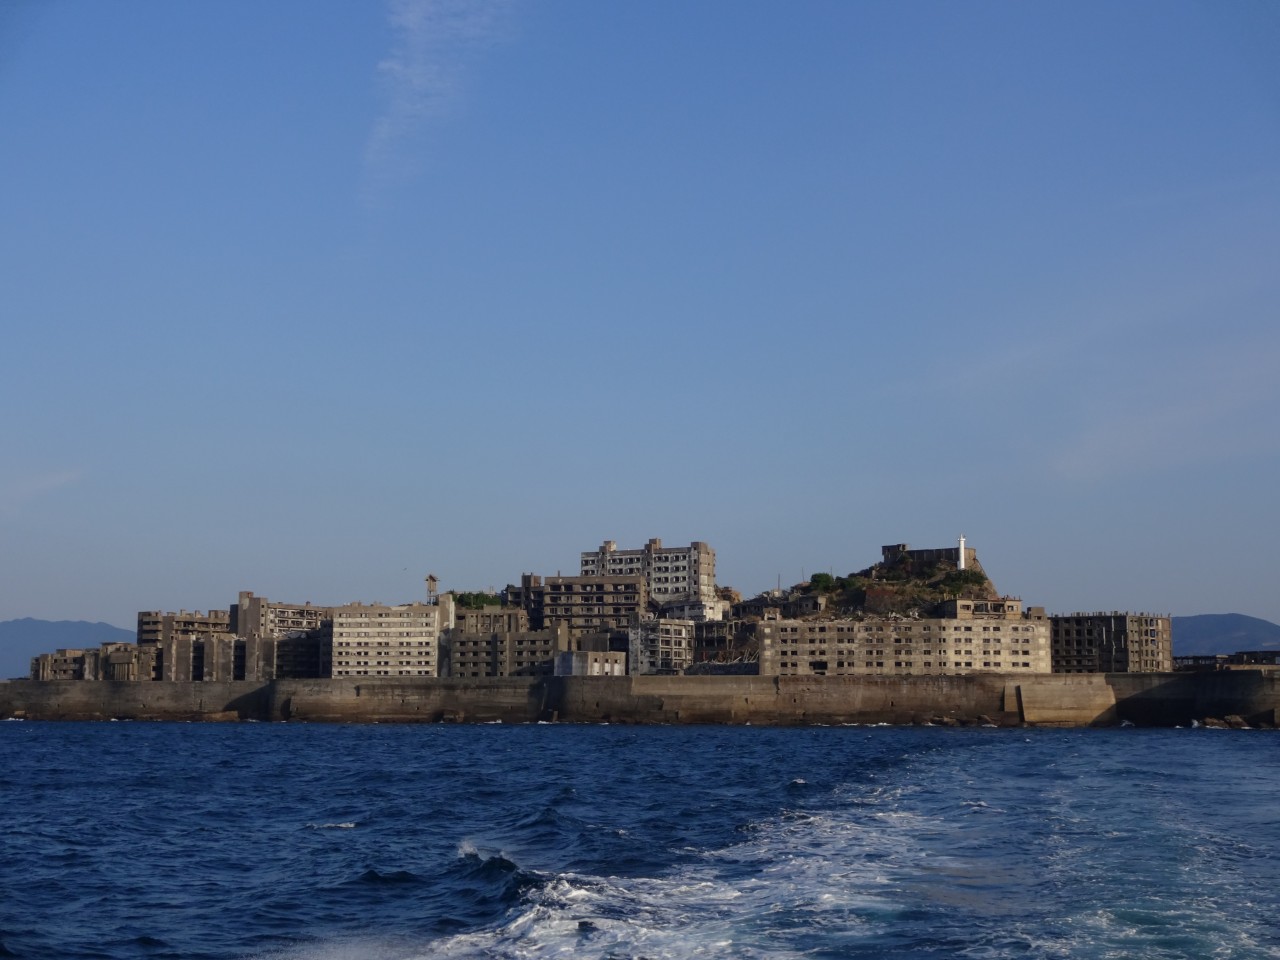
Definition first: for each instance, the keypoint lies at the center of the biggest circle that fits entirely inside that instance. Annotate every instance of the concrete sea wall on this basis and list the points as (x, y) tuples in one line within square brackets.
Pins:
[(152, 700), (1043, 700)]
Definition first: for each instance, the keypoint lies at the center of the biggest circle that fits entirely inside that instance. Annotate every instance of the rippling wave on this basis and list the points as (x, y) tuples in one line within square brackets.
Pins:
[(309, 842)]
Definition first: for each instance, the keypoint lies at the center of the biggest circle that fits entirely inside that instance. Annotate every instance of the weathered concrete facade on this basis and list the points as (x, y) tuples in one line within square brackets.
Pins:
[(155, 626), (584, 604), (893, 647), (900, 553), (660, 646), (491, 619), (780, 605), (1112, 643), (506, 653), (591, 663), (107, 661), (399, 640), (670, 573), (188, 657), (1055, 700), (254, 616), (256, 639)]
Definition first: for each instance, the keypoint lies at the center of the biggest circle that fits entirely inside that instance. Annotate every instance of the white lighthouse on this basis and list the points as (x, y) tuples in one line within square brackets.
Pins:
[(961, 566)]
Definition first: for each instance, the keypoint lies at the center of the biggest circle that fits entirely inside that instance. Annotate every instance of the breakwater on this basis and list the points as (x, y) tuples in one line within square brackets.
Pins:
[(1044, 700)]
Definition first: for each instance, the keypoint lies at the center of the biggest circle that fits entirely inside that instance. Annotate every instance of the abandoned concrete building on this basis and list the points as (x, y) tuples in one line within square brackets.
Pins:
[(963, 640), (591, 663), (1111, 643), (400, 640), (661, 646), (505, 653), (254, 616), (585, 604), (619, 614), (108, 661), (155, 626), (670, 573)]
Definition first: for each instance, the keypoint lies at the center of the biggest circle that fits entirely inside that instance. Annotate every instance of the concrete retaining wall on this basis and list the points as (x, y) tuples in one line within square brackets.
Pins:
[(149, 700), (1067, 700), (514, 700), (1165, 699), (1059, 700)]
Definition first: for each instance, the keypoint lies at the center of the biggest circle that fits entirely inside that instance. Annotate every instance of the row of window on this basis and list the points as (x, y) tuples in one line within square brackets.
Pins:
[(584, 611), (393, 614), (911, 665), (383, 633), (987, 643), (589, 588), (368, 643), (822, 652), (867, 628)]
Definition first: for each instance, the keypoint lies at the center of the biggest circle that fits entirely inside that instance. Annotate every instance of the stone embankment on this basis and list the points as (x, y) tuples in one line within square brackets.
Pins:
[(1250, 698)]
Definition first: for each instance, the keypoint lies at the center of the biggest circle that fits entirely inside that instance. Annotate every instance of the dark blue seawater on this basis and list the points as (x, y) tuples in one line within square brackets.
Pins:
[(293, 841)]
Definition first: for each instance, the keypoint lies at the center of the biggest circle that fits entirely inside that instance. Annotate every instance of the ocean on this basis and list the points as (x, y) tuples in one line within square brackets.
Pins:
[(327, 842)]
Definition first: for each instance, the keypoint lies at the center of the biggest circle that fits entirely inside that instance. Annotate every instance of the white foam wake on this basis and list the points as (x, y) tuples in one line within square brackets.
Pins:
[(796, 874)]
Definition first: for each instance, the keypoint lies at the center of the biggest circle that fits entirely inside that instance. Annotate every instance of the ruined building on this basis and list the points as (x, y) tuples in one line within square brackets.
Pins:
[(671, 574), (1111, 643)]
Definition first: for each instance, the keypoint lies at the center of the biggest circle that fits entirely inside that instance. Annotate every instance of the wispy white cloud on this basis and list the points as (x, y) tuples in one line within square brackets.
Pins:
[(19, 491), (422, 78)]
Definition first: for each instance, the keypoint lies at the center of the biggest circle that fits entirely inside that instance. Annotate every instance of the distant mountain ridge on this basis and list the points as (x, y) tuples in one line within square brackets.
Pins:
[(1211, 633), (20, 640)]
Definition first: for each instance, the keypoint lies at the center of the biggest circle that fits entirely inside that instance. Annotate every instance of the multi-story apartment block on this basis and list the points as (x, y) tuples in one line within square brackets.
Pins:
[(155, 627), (1112, 643), (291, 657), (65, 664), (586, 604), (969, 641), (110, 661), (492, 619), (183, 657), (172, 646), (281, 640), (198, 658), (255, 640), (724, 641), (670, 573), (376, 640), (660, 646), (255, 616), (503, 653)]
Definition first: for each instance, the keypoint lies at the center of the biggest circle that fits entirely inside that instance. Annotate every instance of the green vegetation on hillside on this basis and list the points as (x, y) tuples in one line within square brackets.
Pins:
[(900, 587), (956, 581), (476, 600)]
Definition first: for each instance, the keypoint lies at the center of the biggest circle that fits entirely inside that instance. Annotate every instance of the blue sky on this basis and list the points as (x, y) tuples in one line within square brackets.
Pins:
[(312, 298)]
